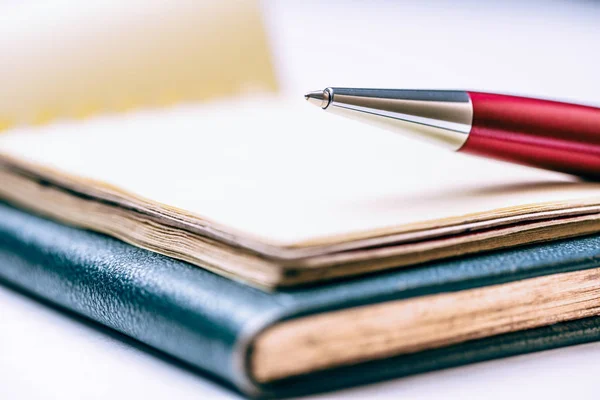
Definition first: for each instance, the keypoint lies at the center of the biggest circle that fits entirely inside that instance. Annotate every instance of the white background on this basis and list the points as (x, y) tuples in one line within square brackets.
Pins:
[(547, 49)]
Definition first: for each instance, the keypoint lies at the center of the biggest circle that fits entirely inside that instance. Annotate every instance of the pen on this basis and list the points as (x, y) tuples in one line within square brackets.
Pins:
[(546, 134)]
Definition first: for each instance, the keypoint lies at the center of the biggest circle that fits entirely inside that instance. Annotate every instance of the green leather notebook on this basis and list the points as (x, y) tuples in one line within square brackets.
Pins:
[(316, 337)]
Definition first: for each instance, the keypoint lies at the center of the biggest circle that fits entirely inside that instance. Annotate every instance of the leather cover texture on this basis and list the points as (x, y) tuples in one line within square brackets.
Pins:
[(208, 321)]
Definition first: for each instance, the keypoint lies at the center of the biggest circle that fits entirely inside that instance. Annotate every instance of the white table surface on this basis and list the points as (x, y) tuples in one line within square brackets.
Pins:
[(549, 49)]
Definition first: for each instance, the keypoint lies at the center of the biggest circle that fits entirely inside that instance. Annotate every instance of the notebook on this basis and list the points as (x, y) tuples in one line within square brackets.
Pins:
[(235, 176), (302, 340), (272, 192)]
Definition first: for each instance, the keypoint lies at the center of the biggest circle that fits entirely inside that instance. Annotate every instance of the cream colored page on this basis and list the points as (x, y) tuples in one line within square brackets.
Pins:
[(284, 170)]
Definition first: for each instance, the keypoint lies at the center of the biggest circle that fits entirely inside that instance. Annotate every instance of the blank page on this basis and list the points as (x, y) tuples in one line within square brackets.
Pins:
[(284, 171)]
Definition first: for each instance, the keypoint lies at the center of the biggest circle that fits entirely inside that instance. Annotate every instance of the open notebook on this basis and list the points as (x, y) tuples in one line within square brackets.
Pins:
[(260, 188), (273, 192)]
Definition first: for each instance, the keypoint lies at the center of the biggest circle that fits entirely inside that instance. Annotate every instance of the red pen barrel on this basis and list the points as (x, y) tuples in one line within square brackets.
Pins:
[(540, 133)]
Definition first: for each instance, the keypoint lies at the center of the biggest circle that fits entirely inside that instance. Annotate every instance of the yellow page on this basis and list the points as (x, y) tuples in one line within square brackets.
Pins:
[(65, 59)]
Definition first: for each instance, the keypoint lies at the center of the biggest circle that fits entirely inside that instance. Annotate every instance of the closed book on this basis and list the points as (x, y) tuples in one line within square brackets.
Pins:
[(315, 337)]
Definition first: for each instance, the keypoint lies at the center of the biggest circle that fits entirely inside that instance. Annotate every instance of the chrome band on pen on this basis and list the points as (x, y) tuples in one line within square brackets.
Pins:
[(441, 116)]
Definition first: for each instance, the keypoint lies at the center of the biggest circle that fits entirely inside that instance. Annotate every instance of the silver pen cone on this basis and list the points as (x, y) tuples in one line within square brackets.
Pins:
[(441, 116), (319, 98)]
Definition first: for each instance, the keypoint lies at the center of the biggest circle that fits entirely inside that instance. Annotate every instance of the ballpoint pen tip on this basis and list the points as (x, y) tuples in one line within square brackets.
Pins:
[(319, 98)]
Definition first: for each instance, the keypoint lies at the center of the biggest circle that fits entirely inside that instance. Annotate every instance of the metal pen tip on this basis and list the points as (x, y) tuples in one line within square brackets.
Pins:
[(319, 98)]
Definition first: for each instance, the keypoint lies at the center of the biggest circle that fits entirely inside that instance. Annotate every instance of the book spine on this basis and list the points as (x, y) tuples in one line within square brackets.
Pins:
[(163, 303)]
